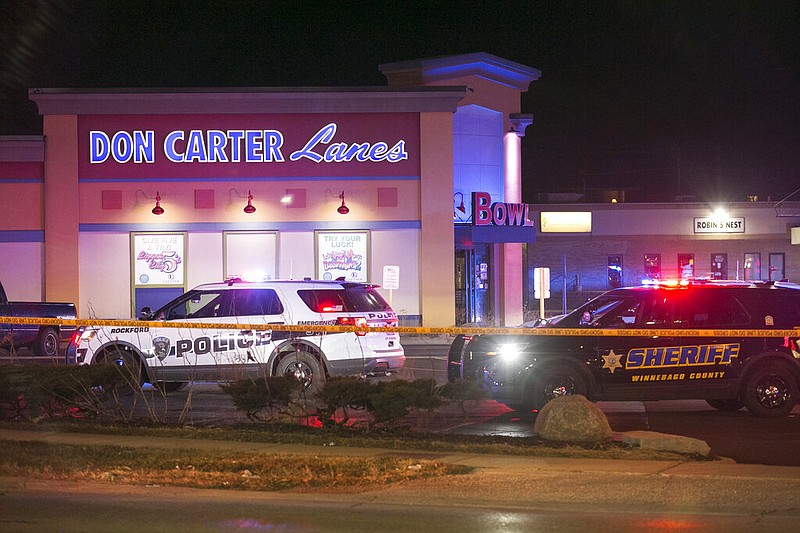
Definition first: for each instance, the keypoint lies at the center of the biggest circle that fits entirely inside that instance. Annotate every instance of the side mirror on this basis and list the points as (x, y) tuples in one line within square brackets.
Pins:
[(145, 312)]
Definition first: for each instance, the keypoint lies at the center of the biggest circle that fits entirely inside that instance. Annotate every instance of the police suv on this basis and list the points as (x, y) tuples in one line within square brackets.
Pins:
[(209, 345), (733, 344)]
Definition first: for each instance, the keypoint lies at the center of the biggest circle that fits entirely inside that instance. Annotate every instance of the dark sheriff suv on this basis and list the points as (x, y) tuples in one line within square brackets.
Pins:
[(732, 344)]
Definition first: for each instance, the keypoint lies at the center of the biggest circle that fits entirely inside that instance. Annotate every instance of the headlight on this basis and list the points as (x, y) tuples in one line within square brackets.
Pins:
[(509, 353)]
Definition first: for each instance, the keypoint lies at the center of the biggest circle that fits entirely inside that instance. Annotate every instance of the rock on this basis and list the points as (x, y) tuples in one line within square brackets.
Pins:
[(651, 440), (572, 419)]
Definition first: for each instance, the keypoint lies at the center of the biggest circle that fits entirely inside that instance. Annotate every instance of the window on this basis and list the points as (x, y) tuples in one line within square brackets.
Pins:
[(254, 302), (350, 300), (719, 266), (194, 304), (652, 266), (686, 266), (752, 266), (609, 311), (614, 271), (776, 269), (710, 308)]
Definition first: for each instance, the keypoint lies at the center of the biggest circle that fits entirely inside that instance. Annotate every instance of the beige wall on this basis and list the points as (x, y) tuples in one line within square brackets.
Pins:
[(61, 209), (437, 268)]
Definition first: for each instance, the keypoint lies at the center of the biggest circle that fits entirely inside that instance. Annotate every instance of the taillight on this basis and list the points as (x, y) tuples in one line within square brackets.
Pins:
[(76, 337), (790, 343), (359, 322)]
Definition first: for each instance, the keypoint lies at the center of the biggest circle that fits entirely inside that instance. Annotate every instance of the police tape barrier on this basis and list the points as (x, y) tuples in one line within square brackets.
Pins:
[(314, 328)]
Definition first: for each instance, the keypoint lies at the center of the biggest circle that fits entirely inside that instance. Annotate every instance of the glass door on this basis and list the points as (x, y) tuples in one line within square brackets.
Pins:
[(473, 292)]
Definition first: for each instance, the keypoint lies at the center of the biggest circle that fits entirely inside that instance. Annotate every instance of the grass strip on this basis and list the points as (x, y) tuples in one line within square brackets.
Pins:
[(215, 469)]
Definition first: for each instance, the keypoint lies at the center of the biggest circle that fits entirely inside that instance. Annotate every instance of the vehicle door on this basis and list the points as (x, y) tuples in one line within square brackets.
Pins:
[(605, 352), (635, 365), (251, 344), (190, 348), (674, 358)]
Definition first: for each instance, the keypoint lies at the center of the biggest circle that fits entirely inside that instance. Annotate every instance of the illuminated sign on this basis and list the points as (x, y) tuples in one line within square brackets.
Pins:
[(719, 225), (235, 146), (158, 259), (486, 213), (342, 254), (566, 222)]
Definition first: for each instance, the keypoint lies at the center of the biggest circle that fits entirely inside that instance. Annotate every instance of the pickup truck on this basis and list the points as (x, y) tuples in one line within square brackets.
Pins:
[(48, 340)]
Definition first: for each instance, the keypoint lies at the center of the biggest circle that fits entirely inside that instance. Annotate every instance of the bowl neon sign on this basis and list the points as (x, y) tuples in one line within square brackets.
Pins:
[(486, 213)]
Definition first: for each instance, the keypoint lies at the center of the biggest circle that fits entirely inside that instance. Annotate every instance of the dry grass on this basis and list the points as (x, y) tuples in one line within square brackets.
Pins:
[(220, 470)]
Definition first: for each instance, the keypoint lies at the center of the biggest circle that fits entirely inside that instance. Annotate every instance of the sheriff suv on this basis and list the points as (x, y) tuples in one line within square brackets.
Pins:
[(689, 343), (173, 356)]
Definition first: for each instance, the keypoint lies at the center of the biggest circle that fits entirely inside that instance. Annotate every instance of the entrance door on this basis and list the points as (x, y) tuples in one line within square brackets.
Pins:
[(473, 293)]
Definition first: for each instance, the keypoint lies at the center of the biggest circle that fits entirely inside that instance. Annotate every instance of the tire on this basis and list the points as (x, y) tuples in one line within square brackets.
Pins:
[(129, 366), (770, 391), (304, 367), (555, 381), (726, 405), (47, 343)]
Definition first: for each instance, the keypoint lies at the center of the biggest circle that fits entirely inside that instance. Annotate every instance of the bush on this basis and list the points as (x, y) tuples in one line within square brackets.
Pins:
[(253, 396), (36, 391), (393, 400), (462, 392), (339, 394)]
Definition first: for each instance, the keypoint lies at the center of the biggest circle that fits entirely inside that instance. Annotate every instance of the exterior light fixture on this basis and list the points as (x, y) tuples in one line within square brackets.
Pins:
[(461, 205), (343, 209), (249, 208), (158, 210)]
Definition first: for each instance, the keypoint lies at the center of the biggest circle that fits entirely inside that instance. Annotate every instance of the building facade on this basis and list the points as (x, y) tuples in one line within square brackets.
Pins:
[(132, 196), (590, 248)]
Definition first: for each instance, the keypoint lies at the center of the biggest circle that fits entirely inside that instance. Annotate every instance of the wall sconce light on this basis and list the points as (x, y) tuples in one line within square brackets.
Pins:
[(249, 208), (461, 205), (343, 209), (158, 210)]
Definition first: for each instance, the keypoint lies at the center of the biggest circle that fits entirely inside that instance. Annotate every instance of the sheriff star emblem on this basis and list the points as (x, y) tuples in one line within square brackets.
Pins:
[(612, 361)]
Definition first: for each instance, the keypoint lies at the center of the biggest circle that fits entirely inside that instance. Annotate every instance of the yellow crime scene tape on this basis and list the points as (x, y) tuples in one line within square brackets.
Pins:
[(303, 328)]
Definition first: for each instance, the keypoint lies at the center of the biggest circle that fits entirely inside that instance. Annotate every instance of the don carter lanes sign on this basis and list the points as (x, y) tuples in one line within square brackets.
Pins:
[(235, 146)]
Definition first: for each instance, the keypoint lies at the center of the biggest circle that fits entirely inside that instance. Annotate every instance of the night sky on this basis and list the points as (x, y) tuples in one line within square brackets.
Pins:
[(661, 98)]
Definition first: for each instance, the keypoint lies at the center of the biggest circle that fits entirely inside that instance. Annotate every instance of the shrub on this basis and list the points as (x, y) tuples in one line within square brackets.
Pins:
[(393, 400), (36, 391), (462, 392), (253, 396), (339, 394)]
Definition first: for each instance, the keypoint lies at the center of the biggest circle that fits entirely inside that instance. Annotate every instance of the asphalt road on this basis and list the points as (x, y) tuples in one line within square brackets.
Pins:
[(34, 506)]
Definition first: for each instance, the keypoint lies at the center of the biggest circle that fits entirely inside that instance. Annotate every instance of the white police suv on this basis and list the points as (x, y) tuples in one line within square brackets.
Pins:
[(208, 345)]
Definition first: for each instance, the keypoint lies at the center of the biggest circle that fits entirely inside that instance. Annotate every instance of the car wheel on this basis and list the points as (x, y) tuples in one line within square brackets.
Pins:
[(557, 381), (771, 391), (726, 405), (47, 343), (129, 367), (304, 367)]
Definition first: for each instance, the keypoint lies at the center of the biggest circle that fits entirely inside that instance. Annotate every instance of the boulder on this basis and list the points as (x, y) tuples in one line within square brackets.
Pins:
[(572, 418), (651, 440)]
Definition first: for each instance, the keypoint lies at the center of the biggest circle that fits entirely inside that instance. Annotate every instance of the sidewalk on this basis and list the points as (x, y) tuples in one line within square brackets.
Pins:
[(516, 481)]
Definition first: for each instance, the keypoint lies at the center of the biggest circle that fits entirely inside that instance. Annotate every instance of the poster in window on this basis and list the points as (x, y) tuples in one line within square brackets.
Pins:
[(342, 254), (158, 259)]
